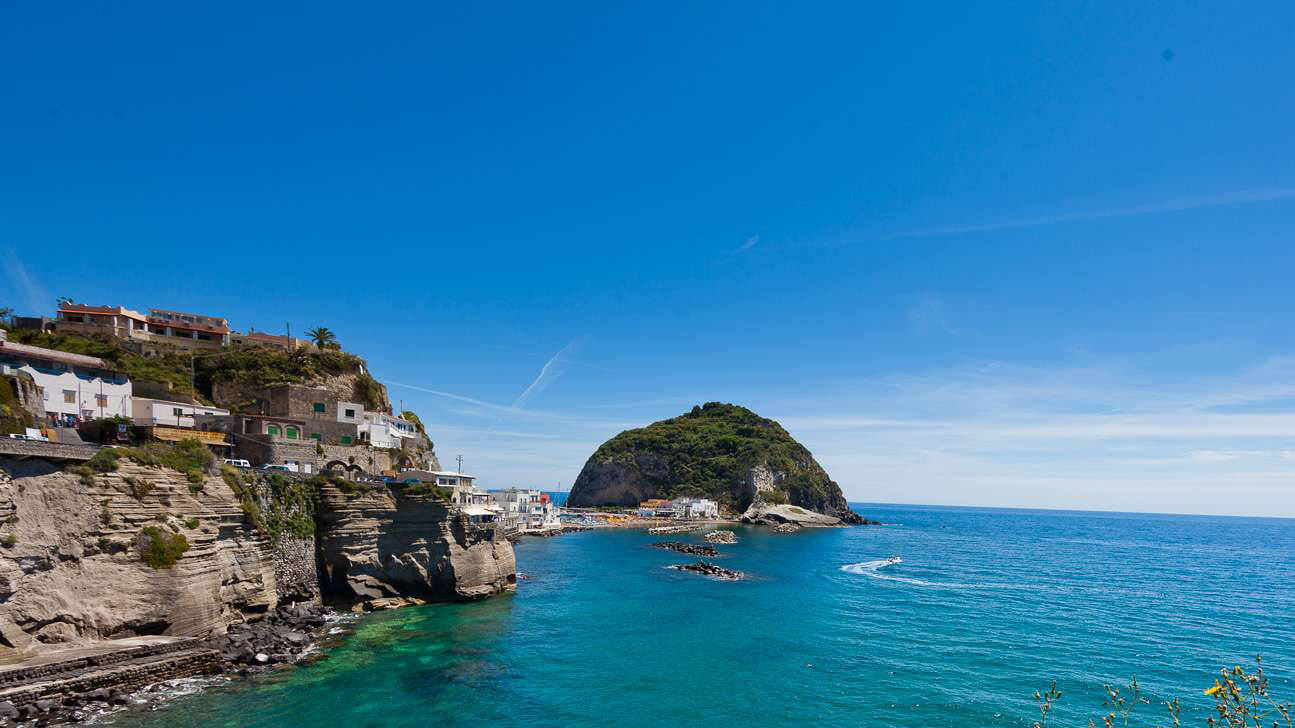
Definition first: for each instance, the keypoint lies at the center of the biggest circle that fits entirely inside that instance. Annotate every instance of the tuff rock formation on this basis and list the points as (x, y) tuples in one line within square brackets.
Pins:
[(74, 551), (389, 543)]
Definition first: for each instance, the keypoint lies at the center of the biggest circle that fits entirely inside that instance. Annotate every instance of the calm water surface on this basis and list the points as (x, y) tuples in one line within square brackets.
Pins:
[(987, 606)]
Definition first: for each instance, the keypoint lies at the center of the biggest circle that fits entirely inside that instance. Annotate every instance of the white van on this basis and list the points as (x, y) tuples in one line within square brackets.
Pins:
[(238, 463)]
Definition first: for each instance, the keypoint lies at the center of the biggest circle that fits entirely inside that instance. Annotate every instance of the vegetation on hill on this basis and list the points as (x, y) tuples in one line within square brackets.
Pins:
[(171, 369), (253, 365), (711, 450)]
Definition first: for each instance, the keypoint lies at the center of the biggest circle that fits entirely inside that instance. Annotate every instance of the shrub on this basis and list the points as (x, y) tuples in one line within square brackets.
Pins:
[(776, 497), (162, 550), (139, 488), (191, 523), (1241, 699), (105, 461), (9, 540), (438, 492), (86, 474)]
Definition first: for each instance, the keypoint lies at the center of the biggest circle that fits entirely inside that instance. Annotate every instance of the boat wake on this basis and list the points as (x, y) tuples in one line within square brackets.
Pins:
[(873, 569)]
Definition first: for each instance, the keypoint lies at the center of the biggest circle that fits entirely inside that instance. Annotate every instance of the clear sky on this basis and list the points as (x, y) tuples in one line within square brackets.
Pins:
[(968, 254)]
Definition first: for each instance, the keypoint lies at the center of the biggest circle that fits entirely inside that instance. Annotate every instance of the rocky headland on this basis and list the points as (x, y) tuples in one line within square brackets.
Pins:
[(719, 451), (143, 544)]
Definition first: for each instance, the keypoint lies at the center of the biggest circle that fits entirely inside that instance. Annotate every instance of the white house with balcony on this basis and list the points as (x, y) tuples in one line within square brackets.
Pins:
[(532, 510), (388, 431), (148, 412), (73, 387)]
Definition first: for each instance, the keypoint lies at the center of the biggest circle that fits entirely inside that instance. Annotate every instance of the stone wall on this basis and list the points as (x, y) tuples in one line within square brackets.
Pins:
[(296, 574)]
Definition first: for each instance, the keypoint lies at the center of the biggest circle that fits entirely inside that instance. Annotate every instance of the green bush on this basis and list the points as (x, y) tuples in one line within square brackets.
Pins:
[(139, 488), (9, 540), (438, 492), (162, 550), (191, 523), (775, 497)]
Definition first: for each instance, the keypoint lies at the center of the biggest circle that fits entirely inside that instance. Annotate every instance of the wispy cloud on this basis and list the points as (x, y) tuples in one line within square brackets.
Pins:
[(35, 297), (1109, 435), (750, 243), (1029, 222), (554, 368)]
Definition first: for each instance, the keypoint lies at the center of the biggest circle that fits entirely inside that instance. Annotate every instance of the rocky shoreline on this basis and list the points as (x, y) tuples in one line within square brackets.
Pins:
[(285, 636), (691, 549)]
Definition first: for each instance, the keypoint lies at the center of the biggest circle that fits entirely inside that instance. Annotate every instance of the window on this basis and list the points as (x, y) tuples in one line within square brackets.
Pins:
[(101, 400), (177, 412), (346, 439), (69, 396), (316, 436), (272, 430), (292, 433), (319, 407), (350, 413)]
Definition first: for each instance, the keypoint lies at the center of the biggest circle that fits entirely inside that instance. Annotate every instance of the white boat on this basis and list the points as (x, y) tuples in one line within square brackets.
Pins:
[(894, 560)]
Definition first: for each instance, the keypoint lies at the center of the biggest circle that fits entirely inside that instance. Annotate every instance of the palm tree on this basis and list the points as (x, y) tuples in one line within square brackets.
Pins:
[(322, 337)]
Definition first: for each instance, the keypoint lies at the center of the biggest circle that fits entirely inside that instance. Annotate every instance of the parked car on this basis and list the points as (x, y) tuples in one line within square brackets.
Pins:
[(19, 437), (277, 468), (238, 463)]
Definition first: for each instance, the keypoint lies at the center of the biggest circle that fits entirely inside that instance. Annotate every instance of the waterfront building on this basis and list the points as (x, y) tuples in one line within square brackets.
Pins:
[(656, 508), (73, 387), (696, 508), (531, 510)]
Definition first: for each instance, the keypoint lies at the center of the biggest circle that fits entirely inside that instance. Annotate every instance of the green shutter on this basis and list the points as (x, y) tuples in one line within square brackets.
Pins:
[(316, 436), (319, 406), (346, 439)]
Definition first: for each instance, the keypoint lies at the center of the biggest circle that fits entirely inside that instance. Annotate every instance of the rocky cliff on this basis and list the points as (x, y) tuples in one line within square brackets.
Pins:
[(719, 451), (389, 542), (71, 565), (143, 549)]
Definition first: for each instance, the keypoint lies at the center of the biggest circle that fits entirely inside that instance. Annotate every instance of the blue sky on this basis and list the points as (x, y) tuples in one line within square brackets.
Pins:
[(967, 254)]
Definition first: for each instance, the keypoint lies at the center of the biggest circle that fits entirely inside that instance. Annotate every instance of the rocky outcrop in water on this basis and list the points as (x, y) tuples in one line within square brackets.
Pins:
[(709, 569), (720, 451), (721, 537), (691, 549), (388, 543)]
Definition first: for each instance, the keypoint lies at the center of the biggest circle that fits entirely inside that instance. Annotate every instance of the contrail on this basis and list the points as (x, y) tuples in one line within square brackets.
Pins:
[(552, 369), (750, 243), (1279, 194)]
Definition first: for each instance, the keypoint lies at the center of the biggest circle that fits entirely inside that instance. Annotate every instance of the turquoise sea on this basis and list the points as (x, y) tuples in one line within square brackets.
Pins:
[(987, 606)]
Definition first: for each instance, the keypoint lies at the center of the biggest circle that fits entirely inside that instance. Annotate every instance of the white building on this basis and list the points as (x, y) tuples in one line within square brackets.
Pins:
[(149, 412), (531, 510), (350, 412), (383, 430), (695, 508), (74, 387)]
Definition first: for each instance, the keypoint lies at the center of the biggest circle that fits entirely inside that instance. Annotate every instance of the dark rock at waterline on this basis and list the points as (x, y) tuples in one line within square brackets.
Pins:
[(709, 569), (691, 549)]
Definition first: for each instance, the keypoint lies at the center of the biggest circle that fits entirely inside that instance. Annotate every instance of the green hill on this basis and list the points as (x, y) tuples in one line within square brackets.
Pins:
[(719, 451)]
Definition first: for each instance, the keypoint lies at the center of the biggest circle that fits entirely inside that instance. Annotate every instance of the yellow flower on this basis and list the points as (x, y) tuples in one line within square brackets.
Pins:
[(1214, 690)]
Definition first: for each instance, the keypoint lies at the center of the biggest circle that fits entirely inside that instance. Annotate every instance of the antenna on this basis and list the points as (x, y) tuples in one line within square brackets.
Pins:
[(460, 464)]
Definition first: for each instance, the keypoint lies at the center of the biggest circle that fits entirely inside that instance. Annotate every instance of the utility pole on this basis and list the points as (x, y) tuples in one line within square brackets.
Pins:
[(460, 464)]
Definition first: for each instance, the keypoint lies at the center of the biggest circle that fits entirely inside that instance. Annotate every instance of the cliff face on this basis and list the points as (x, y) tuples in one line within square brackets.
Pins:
[(718, 451), (71, 567), (386, 543), (76, 551)]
